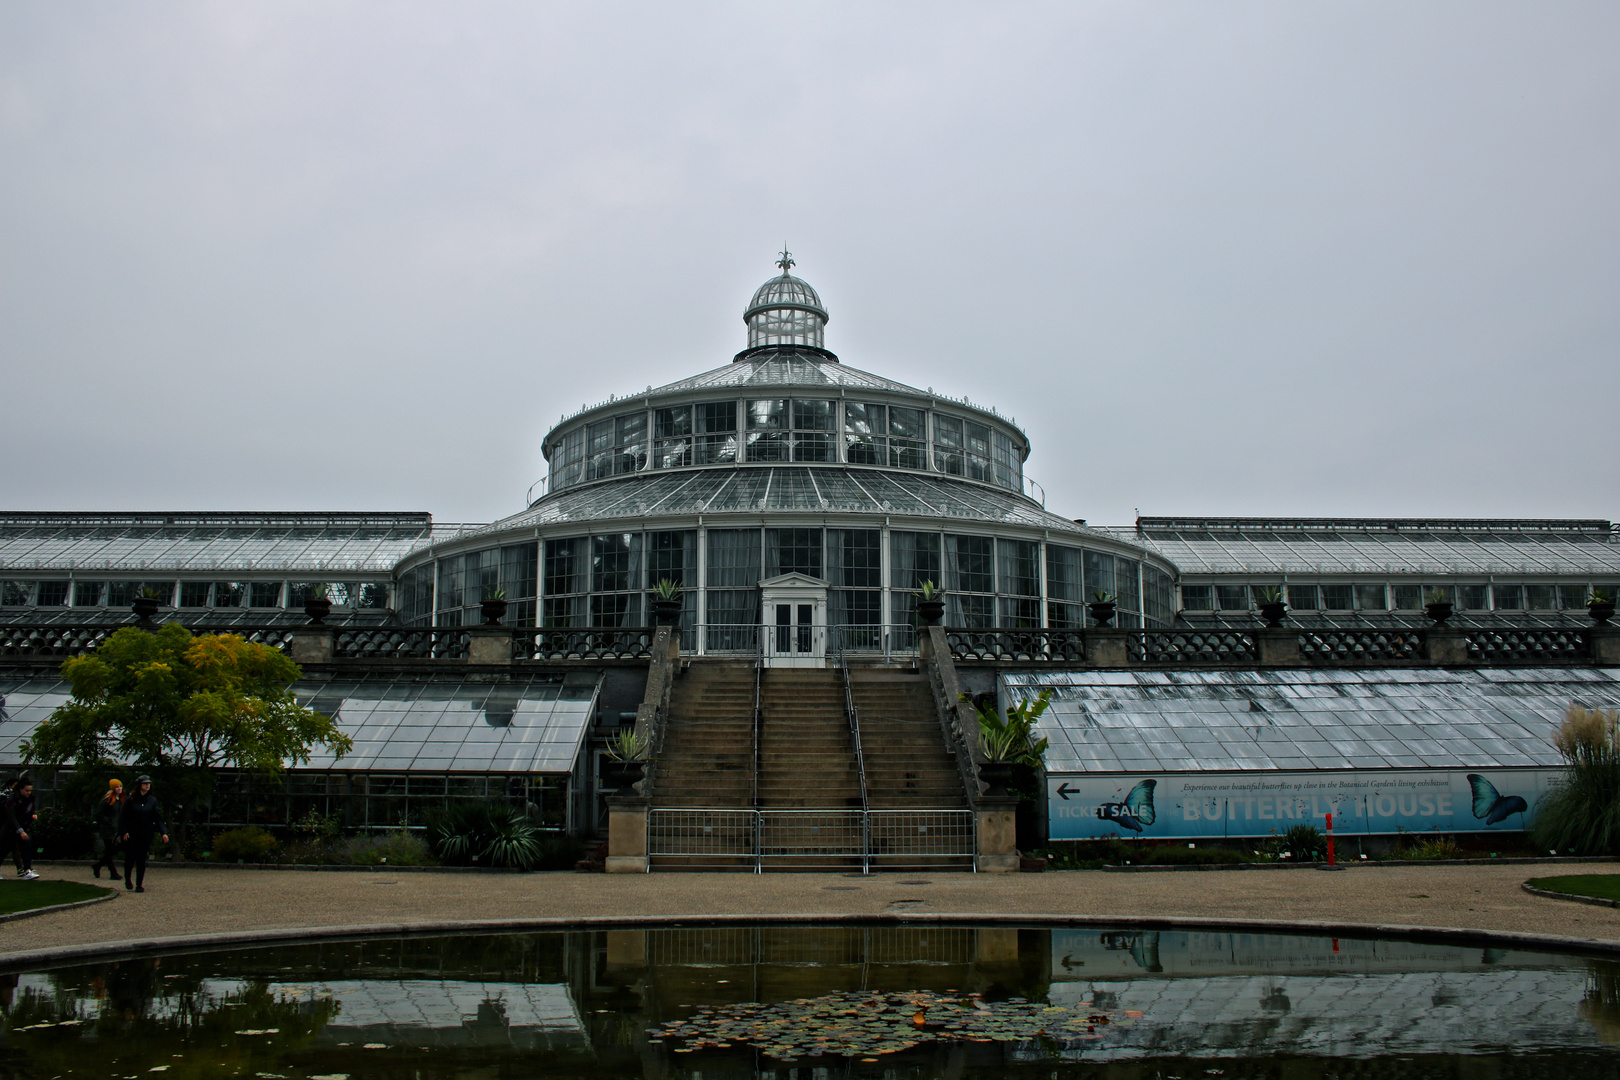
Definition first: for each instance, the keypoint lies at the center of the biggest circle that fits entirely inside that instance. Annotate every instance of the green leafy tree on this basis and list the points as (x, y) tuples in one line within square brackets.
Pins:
[(185, 706)]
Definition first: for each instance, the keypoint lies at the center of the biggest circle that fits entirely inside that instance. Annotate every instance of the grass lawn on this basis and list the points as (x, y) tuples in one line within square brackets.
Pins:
[(1603, 886), (18, 896)]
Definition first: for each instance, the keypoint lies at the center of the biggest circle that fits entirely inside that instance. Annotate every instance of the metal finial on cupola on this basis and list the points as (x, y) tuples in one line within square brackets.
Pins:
[(786, 261)]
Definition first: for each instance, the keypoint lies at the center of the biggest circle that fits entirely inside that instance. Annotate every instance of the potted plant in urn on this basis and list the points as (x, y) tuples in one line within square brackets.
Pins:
[(930, 603), (1102, 606), (626, 761), (1436, 606), (493, 605), (1271, 605), (147, 601), (317, 605), (1600, 605), (667, 603)]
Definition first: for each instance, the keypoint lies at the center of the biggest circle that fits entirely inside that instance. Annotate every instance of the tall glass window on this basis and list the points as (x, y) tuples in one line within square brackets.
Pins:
[(908, 432), (616, 582), (1009, 468), (1159, 603), (1065, 597), (617, 445), (567, 575), (568, 459), (855, 572), (732, 587), (416, 596), (672, 429), (978, 451), (716, 438), (866, 440), (673, 556), (1019, 572), (970, 581), (948, 445), (518, 572), (913, 559)]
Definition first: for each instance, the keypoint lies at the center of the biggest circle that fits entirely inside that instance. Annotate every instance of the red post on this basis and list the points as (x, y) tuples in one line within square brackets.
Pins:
[(1330, 839)]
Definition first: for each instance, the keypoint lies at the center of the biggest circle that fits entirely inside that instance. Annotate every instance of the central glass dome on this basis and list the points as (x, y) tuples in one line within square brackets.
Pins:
[(785, 311)]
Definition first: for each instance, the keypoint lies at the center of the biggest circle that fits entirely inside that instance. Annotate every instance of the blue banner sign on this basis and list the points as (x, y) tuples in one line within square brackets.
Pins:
[(1198, 806)]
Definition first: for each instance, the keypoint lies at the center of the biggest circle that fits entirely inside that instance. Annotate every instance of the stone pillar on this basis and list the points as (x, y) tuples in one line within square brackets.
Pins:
[(627, 834), (312, 645), (1605, 644), (1107, 646), (996, 827), (1447, 646), (489, 645), (1276, 647)]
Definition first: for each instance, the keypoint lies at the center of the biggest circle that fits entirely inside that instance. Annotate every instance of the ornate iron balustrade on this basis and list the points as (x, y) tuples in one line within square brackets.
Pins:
[(1017, 644), (400, 643), (1540, 644), (68, 640), (1357, 646), (583, 643), (1192, 646)]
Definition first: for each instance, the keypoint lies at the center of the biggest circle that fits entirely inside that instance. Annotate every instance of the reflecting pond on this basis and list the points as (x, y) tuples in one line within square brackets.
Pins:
[(819, 1003)]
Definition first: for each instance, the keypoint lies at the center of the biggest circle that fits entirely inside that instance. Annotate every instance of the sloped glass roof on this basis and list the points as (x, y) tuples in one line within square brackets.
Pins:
[(1222, 721), (786, 489), (453, 725), (220, 543), (1258, 546)]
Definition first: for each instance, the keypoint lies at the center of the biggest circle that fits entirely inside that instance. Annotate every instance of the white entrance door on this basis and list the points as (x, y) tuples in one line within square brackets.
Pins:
[(795, 610)]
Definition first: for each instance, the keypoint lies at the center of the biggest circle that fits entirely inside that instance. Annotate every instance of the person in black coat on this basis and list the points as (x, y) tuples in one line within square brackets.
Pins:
[(139, 821), (105, 812), (19, 826)]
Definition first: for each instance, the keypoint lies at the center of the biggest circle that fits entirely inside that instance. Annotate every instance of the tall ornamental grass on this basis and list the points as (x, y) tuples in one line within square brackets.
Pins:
[(1581, 814)]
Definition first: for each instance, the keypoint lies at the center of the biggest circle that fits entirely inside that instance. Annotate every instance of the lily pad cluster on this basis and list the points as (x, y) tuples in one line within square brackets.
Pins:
[(865, 1024)]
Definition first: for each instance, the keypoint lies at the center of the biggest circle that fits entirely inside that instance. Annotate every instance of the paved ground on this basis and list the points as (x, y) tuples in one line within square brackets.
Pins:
[(183, 902)]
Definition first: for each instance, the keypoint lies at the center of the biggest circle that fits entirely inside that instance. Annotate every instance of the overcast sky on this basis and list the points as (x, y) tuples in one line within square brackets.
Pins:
[(1283, 259)]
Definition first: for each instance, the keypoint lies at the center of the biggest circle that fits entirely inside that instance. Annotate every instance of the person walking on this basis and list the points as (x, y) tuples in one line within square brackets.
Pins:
[(105, 814), (19, 826), (139, 821)]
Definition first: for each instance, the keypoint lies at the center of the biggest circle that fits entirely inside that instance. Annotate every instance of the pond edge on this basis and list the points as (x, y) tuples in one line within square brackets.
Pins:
[(191, 943), (1597, 901)]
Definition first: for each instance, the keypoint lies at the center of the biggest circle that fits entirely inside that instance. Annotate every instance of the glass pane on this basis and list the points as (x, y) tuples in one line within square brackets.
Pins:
[(733, 560), (1232, 597), (615, 564), (914, 559), (374, 594), (265, 594), (789, 551), (812, 415), (15, 593), (1540, 597), (121, 593), (1370, 597), (1063, 574), (1018, 566), (771, 415), (1474, 597), (813, 447), (194, 593), (1510, 598), (1303, 597), (1409, 597), (1338, 597), (88, 593), (1570, 597), (1198, 597), (970, 564)]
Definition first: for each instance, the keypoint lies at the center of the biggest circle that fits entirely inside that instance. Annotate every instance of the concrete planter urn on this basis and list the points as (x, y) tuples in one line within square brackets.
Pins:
[(1601, 611), (931, 612), (1439, 612), (1102, 611), (622, 775), (666, 612), (318, 609), (493, 611), (145, 607), (1273, 613), (999, 776)]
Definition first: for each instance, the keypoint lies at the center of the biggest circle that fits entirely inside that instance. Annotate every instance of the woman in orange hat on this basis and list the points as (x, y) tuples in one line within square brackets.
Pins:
[(105, 813)]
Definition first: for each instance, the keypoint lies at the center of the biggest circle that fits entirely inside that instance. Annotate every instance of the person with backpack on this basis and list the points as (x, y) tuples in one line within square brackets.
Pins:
[(19, 821), (139, 821), (105, 814)]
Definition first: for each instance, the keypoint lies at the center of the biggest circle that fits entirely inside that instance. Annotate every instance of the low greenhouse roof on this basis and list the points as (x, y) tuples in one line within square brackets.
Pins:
[(445, 725), (224, 543), (1266, 546), (1225, 721)]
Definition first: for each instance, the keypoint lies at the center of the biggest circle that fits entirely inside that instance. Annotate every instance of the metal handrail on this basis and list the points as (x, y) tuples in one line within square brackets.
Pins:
[(759, 717), (854, 716)]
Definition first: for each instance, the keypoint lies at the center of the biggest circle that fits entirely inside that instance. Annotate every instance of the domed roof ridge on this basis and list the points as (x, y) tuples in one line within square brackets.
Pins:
[(785, 291)]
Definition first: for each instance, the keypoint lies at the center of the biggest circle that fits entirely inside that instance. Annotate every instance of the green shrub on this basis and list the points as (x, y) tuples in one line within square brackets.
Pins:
[(1581, 814), (484, 834), (62, 834), (396, 848), (1304, 843), (250, 844), (1432, 849)]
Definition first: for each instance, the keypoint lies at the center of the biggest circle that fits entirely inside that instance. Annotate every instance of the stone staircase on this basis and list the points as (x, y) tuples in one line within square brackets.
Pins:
[(807, 761), (708, 754), (908, 766)]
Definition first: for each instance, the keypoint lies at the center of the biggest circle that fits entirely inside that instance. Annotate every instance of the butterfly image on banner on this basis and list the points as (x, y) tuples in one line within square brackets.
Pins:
[(1135, 811), (1490, 805)]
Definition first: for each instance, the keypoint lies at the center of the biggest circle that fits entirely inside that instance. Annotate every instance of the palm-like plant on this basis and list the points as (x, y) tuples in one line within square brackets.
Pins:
[(1012, 738)]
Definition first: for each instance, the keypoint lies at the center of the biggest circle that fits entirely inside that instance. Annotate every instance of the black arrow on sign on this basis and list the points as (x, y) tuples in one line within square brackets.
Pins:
[(1063, 790)]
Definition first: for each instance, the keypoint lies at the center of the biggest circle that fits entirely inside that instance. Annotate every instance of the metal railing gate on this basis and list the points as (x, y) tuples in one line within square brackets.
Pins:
[(812, 839)]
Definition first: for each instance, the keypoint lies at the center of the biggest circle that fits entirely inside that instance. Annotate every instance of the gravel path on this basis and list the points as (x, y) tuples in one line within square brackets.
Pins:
[(183, 902)]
